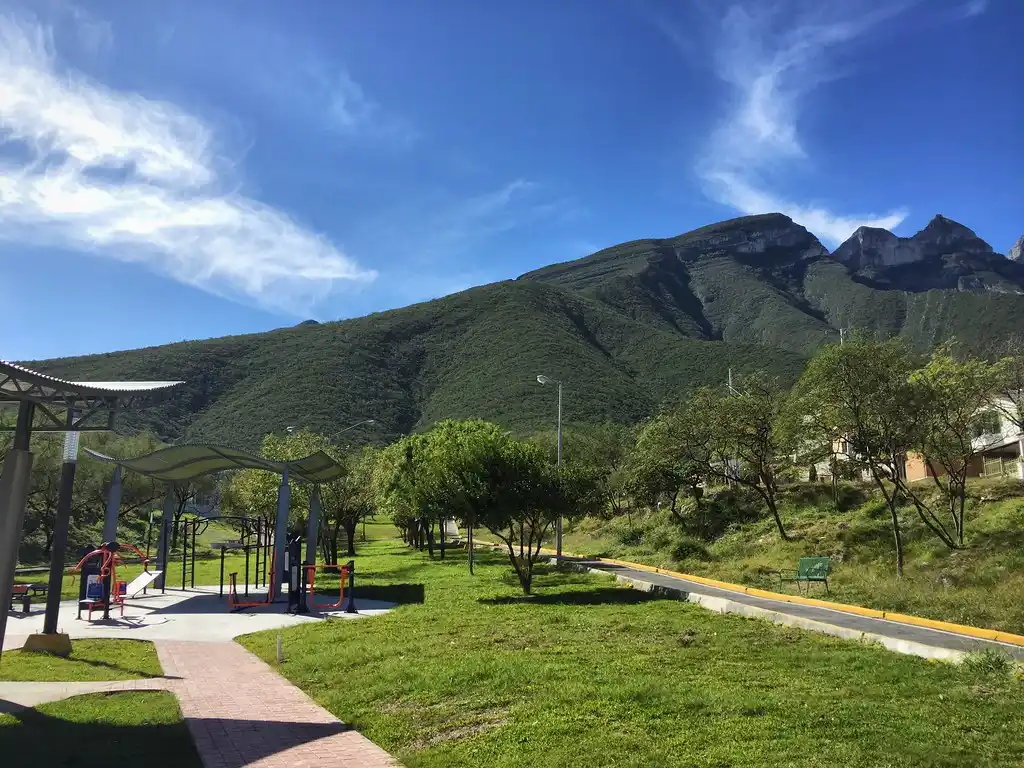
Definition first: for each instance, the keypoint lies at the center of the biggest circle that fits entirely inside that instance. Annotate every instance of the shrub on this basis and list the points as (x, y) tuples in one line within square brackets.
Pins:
[(689, 547)]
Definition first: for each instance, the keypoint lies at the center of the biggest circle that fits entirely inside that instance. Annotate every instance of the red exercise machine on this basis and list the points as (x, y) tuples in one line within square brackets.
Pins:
[(311, 580), (100, 585)]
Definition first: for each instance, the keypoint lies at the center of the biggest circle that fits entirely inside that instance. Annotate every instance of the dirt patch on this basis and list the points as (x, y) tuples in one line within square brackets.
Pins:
[(481, 723)]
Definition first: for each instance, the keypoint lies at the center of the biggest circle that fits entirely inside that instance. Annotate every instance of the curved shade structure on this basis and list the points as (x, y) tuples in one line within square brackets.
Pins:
[(69, 405), (181, 463)]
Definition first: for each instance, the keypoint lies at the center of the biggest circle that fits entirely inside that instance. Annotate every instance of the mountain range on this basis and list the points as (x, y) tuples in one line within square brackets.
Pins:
[(625, 329)]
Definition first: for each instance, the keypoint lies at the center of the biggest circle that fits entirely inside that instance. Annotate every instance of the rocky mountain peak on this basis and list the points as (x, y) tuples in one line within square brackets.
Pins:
[(1016, 252), (943, 235)]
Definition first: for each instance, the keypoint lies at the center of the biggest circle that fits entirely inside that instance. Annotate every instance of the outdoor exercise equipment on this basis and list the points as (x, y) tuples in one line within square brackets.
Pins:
[(100, 587), (346, 573), (235, 603), (254, 542), (183, 463)]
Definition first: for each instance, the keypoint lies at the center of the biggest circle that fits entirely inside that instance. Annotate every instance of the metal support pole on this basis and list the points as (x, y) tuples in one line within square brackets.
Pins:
[(113, 507), (247, 536), (222, 551), (192, 570), (284, 504), (558, 522), (14, 485), (313, 525), (164, 540), (62, 524), (184, 551)]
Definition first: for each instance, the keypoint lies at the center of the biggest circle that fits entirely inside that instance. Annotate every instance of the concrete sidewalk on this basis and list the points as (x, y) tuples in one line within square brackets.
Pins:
[(195, 614), (16, 696), (242, 713), (897, 636)]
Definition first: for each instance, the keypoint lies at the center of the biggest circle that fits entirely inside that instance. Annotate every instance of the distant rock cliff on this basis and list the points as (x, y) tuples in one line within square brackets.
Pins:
[(943, 255), (1017, 250)]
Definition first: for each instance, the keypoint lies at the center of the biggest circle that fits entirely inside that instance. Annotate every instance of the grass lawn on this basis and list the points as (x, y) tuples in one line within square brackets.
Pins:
[(979, 585), (99, 731), (467, 672), (89, 660)]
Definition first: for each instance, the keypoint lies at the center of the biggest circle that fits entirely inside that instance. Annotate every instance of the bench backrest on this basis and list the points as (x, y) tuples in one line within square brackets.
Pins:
[(813, 567)]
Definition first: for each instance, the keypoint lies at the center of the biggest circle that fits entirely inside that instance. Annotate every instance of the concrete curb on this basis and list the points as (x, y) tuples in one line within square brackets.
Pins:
[(723, 605)]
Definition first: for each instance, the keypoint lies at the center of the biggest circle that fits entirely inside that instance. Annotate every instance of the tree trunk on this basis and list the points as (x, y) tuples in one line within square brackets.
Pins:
[(442, 538), (48, 546), (469, 544), (350, 537), (429, 530), (769, 499), (897, 537)]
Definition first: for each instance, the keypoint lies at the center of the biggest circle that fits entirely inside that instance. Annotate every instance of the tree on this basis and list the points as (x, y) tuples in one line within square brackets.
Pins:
[(190, 493), (862, 387), (953, 395), (528, 495), (1008, 397), (599, 450), (671, 453), (747, 442), (346, 501)]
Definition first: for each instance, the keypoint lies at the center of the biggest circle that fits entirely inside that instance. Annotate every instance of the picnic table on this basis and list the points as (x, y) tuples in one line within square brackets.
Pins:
[(25, 593)]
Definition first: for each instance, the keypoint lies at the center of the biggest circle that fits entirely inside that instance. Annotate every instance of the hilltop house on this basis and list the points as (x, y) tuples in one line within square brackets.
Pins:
[(998, 442), (999, 445)]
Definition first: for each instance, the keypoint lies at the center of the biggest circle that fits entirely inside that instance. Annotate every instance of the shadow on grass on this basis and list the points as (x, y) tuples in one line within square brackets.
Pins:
[(41, 739), (402, 594), (596, 596)]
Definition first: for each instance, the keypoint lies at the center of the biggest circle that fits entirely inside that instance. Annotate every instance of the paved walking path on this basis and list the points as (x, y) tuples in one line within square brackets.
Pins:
[(242, 713), (15, 696), (902, 635)]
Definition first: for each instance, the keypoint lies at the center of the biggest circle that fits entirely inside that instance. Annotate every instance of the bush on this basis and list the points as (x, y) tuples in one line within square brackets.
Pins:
[(689, 547)]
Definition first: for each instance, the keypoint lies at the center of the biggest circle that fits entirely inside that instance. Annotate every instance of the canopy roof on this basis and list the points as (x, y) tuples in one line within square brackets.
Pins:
[(68, 405), (182, 463)]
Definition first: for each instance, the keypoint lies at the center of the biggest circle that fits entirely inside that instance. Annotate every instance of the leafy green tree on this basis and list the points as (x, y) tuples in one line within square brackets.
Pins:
[(345, 502), (528, 495), (672, 453), (746, 438), (863, 388), (952, 395)]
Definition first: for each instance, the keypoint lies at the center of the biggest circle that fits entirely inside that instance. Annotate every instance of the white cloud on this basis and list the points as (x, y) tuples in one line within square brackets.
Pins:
[(771, 66), (90, 169), (974, 8)]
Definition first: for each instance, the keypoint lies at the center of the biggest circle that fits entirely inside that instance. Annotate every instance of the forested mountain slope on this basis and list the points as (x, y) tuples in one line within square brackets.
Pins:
[(626, 329)]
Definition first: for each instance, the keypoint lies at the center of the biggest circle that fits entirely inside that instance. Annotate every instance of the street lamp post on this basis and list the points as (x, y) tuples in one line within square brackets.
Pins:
[(62, 523), (542, 379)]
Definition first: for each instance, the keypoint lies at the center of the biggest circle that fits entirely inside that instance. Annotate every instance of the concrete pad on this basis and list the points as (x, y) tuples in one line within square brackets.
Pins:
[(57, 645), (193, 615)]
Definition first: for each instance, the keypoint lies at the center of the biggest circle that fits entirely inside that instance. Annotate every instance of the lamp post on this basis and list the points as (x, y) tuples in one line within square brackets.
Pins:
[(62, 523), (542, 379)]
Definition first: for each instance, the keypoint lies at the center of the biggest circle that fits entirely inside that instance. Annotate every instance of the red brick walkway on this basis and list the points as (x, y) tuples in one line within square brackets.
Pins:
[(242, 713)]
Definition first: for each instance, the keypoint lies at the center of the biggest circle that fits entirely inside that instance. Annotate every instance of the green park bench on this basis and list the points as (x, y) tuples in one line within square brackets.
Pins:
[(808, 569)]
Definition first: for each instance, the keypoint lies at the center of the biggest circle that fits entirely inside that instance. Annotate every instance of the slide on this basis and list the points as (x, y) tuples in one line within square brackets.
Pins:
[(140, 582)]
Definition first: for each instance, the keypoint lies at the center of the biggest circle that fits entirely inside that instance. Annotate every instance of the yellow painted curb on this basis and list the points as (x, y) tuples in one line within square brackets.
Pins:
[(956, 629)]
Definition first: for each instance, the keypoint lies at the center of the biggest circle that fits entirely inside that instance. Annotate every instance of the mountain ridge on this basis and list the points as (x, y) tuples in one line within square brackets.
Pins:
[(626, 328)]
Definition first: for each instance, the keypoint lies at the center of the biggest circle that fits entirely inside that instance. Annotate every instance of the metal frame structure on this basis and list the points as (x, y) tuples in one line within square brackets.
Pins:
[(65, 406), (182, 463)]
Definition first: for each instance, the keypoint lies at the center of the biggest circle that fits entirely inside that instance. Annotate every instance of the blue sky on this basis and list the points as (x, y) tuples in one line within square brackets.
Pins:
[(183, 170)]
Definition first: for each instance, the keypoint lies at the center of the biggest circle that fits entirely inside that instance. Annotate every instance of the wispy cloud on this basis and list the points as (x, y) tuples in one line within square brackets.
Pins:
[(116, 174), (973, 8), (772, 57)]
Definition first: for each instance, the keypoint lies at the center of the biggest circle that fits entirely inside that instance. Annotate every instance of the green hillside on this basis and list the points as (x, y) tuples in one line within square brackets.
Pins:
[(626, 329)]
